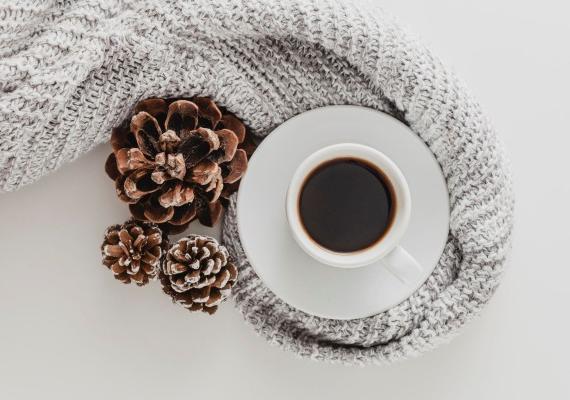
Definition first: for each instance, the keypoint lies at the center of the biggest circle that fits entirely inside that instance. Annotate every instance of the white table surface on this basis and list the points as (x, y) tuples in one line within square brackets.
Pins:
[(69, 331)]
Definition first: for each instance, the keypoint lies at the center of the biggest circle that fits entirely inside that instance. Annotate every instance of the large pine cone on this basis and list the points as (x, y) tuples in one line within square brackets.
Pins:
[(133, 251), (177, 160), (197, 273)]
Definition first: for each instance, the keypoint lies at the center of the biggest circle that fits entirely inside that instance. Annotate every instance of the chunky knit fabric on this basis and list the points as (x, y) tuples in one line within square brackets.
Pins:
[(70, 70)]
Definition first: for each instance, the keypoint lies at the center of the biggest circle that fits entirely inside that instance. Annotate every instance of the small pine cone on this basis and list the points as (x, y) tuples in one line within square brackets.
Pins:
[(197, 273), (133, 251), (177, 160)]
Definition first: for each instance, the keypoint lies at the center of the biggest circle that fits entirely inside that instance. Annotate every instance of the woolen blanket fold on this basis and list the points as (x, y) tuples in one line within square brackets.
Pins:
[(71, 70)]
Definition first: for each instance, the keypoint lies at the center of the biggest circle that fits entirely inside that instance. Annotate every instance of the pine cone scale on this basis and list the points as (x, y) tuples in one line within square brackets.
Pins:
[(235, 125), (214, 299), (113, 250), (183, 215), (111, 167), (151, 257), (208, 110), (153, 239), (147, 132), (148, 268), (169, 141), (235, 169), (222, 279), (182, 114), (228, 146), (154, 212), (131, 160), (121, 138), (117, 268), (175, 268), (138, 184)]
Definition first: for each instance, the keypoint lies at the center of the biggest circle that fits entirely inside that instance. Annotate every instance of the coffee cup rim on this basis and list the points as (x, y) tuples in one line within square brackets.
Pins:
[(390, 238)]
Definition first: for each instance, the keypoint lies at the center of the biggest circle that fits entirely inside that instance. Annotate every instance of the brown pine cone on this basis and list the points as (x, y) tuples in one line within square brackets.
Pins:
[(133, 251), (177, 160), (197, 273)]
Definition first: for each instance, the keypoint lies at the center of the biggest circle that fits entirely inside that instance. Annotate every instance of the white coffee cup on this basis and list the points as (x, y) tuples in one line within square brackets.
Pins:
[(387, 249)]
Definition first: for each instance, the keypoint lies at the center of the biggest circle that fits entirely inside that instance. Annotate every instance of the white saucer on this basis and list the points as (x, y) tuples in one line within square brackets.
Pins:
[(284, 267)]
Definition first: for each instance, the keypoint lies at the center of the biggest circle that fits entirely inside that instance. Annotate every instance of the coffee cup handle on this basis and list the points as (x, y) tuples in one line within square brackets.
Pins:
[(402, 265)]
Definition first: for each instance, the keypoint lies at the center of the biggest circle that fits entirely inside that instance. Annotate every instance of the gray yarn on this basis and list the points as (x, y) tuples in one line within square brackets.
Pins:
[(69, 71)]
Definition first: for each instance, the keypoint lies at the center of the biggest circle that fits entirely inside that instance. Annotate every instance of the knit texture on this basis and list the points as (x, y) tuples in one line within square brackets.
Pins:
[(65, 65)]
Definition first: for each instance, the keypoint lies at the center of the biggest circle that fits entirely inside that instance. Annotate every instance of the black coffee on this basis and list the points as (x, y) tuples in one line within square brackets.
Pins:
[(346, 205)]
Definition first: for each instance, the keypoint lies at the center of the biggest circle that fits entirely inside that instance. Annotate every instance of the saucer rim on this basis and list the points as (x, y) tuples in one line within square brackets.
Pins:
[(300, 307)]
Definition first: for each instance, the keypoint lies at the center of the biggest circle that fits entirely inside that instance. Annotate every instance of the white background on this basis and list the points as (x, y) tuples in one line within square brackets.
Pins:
[(68, 330)]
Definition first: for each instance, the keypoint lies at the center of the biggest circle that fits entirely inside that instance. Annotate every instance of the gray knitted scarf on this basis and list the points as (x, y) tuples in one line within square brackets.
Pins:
[(71, 70)]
